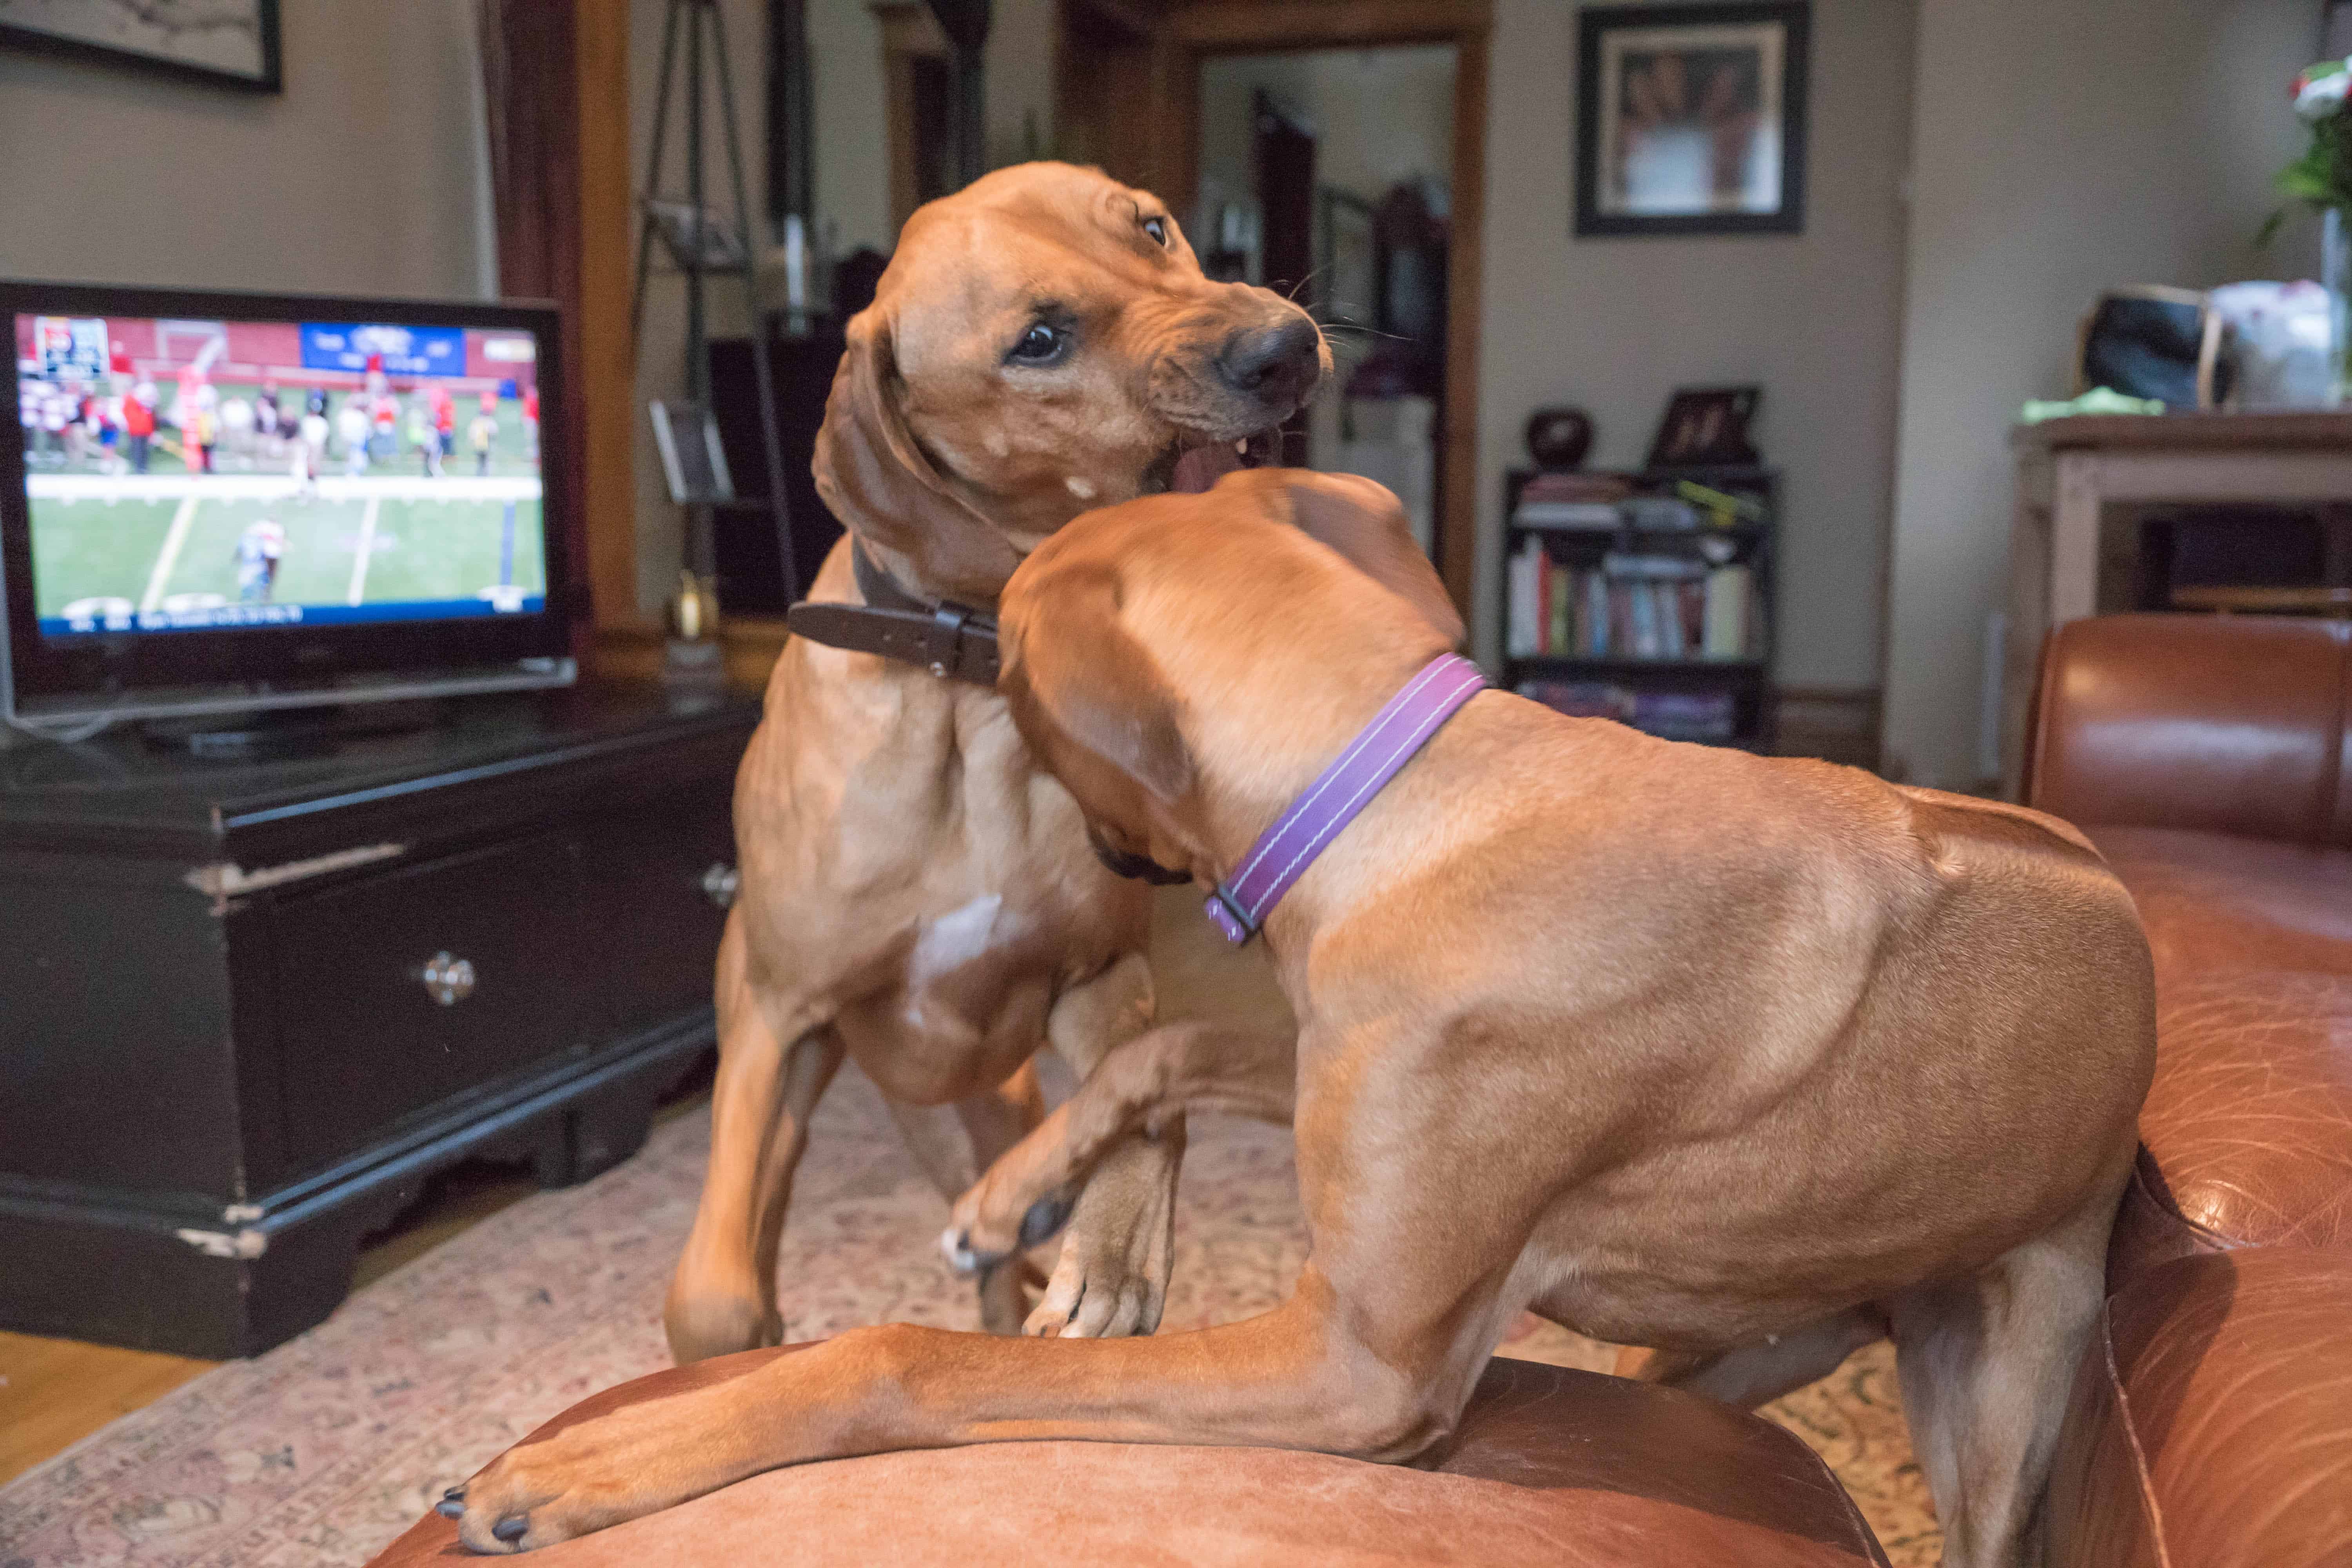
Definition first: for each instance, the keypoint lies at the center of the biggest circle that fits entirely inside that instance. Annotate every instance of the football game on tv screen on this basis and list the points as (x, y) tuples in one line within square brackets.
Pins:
[(199, 475)]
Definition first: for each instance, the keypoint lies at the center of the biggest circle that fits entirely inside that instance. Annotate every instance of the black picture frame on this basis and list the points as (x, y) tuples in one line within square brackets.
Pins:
[(1600, 215), (270, 78), (1707, 428), (81, 670)]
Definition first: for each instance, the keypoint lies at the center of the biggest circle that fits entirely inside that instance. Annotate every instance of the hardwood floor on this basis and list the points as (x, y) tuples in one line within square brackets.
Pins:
[(54, 1393)]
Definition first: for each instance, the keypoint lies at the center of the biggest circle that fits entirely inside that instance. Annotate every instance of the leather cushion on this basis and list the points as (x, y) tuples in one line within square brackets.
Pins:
[(1569, 1469), (2247, 1132), (2248, 1124), (2213, 900), (2211, 1419), (2222, 723)]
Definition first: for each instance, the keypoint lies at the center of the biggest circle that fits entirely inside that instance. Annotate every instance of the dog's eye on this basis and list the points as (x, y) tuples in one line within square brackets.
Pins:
[(1042, 344), (1157, 228)]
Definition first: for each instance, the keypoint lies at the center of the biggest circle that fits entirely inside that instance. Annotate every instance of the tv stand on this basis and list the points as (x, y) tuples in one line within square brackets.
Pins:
[(279, 733), (251, 1004)]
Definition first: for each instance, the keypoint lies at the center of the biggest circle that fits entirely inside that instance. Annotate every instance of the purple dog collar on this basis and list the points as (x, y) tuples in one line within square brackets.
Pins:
[(1283, 852)]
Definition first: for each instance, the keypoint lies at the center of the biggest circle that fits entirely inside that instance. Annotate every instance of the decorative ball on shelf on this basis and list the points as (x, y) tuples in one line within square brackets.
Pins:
[(1558, 437)]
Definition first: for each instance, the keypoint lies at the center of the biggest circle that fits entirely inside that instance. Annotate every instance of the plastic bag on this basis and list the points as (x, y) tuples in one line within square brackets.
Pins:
[(2279, 337)]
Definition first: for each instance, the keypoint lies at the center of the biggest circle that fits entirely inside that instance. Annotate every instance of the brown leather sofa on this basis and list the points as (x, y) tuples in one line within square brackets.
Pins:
[(2208, 759)]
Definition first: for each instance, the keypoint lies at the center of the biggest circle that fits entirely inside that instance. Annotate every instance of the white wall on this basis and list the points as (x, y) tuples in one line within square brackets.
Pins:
[(2058, 149), (849, 108), (1614, 325), (362, 177)]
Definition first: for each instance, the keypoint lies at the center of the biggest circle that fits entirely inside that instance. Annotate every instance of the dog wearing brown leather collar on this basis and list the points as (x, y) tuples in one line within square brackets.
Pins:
[(917, 894), (1747, 1059)]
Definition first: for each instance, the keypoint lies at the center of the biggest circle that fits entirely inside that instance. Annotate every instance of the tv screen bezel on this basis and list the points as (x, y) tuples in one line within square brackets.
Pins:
[(86, 671)]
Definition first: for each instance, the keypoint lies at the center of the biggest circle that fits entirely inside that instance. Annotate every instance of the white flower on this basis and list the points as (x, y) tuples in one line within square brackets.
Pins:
[(2319, 91)]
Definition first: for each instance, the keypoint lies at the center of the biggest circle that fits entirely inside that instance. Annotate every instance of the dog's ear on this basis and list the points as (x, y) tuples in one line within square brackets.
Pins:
[(1365, 522), (1072, 666), (873, 476)]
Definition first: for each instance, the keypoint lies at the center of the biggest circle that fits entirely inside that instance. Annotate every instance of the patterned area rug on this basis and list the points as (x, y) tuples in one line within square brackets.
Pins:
[(316, 1454)]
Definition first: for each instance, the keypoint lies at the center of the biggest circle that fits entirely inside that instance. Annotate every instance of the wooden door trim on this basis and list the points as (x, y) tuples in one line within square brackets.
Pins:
[(1193, 33), (606, 367)]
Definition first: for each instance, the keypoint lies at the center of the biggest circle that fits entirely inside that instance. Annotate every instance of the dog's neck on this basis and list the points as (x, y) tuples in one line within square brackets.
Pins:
[(1259, 746)]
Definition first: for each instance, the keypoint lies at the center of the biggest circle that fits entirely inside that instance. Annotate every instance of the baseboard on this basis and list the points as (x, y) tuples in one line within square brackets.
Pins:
[(1835, 723)]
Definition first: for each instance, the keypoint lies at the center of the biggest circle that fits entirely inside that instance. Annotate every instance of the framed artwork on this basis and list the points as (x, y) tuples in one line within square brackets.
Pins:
[(1705, 427), (1691, 119), (227, 43), (1349, 262)]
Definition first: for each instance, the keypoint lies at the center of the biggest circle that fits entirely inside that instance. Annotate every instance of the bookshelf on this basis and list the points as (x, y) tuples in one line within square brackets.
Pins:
[(1626, 597)]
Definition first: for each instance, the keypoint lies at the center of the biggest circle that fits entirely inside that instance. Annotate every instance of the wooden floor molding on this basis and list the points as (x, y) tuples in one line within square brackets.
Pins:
[(1835, 723)]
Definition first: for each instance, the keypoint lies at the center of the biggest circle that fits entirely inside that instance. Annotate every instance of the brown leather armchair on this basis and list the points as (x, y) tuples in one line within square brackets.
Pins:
[(2208, 759)]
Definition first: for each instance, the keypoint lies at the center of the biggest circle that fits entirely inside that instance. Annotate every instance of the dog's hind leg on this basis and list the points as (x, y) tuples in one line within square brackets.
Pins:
[(1759, 1374), (994, 1122), (722, 1297), (1986, 1366), (952, 1144)]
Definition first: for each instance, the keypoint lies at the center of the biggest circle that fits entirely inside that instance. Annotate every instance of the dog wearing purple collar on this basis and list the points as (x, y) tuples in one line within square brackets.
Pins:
[(1746, 1060)]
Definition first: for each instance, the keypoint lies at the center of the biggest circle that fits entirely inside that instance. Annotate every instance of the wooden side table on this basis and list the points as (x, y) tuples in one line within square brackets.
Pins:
[(2069, 557)]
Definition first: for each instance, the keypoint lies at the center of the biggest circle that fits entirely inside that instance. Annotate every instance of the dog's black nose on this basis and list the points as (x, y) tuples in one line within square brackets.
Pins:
[(1275, 364)]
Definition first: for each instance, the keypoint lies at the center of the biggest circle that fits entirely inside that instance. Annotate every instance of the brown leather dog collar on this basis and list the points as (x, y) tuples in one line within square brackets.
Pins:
[(954, 642)]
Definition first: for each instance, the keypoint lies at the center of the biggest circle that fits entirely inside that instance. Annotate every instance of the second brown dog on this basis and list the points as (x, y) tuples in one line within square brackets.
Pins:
[(1745, 1059)]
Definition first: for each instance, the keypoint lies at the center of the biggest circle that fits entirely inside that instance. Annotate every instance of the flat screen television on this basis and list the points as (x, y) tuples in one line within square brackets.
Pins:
[(217, 502)]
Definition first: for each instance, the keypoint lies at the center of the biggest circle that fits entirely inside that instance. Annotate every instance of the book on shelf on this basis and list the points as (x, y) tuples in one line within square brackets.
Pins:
[(1568, 515), (1632, 606), (1575, 486), (1687, 715), (1722, 619), (1582, 698), (1670, 715)]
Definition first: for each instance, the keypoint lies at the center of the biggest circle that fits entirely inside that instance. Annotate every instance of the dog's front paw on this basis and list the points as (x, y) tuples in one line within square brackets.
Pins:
[(1111, 1279), (583, 1479), (974, 1243)]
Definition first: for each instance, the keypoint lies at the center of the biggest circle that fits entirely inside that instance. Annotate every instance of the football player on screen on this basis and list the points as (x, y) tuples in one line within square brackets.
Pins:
[(258, 550)]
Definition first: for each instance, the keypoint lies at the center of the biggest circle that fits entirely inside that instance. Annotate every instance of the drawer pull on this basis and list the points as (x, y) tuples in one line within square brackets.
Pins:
[(719, 883), (448, 979)]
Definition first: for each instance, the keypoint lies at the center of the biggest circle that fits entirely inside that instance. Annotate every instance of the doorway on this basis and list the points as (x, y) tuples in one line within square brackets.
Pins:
[(1134, 94), (1326, 176)]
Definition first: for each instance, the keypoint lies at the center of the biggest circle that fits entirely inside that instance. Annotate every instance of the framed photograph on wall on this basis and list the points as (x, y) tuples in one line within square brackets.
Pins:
[(1691, 119), (227, 43)]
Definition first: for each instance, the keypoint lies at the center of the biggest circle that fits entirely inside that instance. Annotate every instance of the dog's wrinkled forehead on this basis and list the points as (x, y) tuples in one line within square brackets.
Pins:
[(1033, 237)]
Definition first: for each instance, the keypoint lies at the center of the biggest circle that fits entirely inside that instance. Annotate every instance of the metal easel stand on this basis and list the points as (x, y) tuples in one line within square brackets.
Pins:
[(702, 245)]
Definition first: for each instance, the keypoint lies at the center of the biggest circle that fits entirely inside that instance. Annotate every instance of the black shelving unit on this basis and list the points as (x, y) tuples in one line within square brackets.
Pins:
[(1748, 679)]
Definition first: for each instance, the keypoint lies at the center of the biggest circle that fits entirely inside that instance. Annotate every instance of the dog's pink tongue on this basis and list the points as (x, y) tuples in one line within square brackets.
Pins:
[(1201, 467)]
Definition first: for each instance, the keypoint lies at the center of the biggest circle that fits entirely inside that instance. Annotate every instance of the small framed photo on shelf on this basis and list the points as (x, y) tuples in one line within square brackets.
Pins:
[(1691, 119), (1707, 428), (693, 460)]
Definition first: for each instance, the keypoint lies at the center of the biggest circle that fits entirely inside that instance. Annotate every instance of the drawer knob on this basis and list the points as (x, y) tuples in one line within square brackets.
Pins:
[(719, 883), (448, 979)]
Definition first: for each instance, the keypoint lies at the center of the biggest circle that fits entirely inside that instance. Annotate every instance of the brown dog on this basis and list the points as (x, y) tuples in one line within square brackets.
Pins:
[(1680, 1047), (915, 891)]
